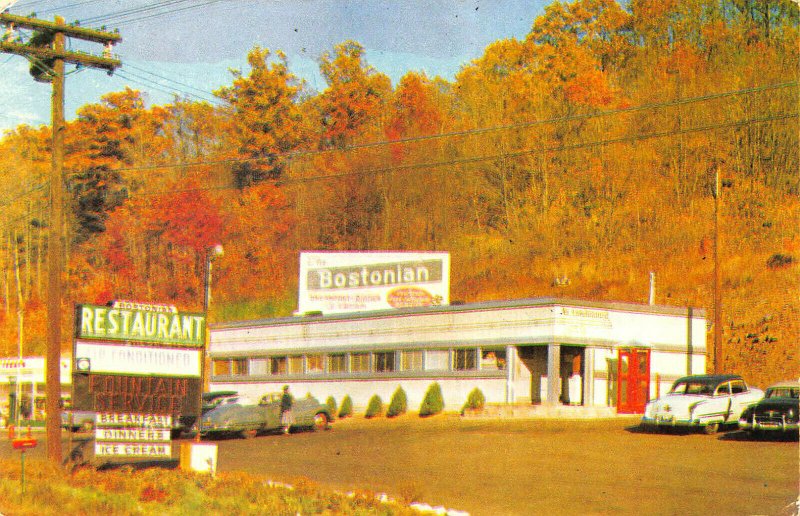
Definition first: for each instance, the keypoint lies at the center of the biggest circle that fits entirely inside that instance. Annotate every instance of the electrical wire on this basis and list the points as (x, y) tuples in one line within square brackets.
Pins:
[(66, 7), (131, 12), (202, 94), (476, 159), (484, 130), (131, 21), (143, 81), (490, 157), (455, 163)]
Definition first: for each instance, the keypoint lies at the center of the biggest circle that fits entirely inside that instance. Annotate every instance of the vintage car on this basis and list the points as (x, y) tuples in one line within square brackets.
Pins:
[(244, 417), (776, 413), (701, 401), (209, 401)]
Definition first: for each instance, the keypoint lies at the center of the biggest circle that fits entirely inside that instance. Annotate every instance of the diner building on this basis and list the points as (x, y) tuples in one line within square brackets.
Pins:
[(22, 386), (546, 351)]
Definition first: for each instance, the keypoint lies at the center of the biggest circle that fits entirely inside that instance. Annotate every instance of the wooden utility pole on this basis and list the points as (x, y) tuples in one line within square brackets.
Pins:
[(717, 280), (48, 54)]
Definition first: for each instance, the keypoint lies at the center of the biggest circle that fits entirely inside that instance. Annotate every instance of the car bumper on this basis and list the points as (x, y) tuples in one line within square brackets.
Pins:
[(752, 425), (669, 422)]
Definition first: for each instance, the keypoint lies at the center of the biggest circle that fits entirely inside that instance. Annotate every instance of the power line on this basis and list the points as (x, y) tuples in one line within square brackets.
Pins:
[(503, 155), (477, 159), (132, 11), (66, 7), (477, 131), (22, 195), (146, 12), (142, 18), (490, 157), (138, 79), (202, 94)]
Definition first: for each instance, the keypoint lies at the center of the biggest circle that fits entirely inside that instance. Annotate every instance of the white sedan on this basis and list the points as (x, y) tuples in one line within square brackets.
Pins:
[(701, 401)]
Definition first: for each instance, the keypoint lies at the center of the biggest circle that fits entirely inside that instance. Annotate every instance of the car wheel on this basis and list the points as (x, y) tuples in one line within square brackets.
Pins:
[(249, 434), (711, 428), (320, 421)]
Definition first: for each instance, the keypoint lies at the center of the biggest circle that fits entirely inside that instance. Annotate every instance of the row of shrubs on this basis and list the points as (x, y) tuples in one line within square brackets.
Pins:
[(432, 403)]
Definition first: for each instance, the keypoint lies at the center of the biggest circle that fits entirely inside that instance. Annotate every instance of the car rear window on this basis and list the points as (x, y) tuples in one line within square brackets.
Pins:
[(692, 387)]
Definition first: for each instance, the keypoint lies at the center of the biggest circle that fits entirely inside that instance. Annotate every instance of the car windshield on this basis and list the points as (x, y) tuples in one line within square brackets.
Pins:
[(692, 387), (783, 392)]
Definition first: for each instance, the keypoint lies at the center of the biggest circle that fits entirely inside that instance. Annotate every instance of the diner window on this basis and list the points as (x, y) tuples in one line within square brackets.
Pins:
[(259, 366), (411, 360), (296, 364), (221, 367), (437, 360), (384, 362), (277, 365), (337, 363), (464, 359), (315, 364), (239, 366), (359, 362), (493, 359)]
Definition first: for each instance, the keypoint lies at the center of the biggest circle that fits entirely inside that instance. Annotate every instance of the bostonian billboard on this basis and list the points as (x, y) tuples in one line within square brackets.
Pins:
[(338, 282)]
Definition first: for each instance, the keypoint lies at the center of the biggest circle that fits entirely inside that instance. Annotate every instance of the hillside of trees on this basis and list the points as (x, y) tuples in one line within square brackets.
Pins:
[(571, 164)]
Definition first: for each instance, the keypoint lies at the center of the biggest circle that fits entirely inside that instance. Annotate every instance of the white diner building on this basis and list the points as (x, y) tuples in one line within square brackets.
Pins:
[(546, 351)]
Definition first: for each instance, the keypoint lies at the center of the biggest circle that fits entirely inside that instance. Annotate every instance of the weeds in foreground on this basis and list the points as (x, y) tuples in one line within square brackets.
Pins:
[(50, 490)]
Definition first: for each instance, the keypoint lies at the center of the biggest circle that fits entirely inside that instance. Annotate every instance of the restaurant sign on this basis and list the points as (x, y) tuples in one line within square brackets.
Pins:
[(141, 323), (139, 368), (133, 435)]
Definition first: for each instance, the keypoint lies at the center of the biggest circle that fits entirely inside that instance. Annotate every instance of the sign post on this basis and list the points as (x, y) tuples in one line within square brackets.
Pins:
[(22, 444)]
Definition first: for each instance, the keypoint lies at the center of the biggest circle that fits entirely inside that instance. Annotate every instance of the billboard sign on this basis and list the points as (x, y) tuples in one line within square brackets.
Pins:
[(340, 282)]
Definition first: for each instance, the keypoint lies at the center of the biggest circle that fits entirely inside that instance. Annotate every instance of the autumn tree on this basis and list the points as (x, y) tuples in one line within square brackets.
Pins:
[(265, 115), (115, 133), (353, 103)]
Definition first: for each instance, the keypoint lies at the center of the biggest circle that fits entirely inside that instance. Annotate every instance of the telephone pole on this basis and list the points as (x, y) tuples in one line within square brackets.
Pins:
[(47, 52), (717, 279)]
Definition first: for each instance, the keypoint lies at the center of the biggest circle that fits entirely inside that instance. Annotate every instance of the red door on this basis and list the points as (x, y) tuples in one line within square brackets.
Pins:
[(633, 375)]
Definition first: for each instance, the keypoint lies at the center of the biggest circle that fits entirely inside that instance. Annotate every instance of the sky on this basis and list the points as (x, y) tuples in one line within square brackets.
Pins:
[(188, 47)]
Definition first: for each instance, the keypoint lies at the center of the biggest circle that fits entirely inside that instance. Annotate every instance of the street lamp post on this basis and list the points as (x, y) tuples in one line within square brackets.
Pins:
[(215, 251), (205, 369)]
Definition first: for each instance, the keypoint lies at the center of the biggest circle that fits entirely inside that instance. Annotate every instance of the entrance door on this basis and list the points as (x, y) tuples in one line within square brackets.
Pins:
[(633, 375)]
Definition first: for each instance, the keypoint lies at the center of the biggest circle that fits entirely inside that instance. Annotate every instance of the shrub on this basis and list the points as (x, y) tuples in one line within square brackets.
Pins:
[(475, 400), (433, 403), (374, 407), (331, 403), (346, 409), (399, 403)]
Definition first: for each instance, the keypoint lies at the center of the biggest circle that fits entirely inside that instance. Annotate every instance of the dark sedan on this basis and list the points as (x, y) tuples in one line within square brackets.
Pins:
[(777, 412), (240, 416)]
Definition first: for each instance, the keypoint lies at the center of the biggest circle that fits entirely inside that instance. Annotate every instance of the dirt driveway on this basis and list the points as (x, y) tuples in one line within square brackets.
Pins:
[(534, 466)]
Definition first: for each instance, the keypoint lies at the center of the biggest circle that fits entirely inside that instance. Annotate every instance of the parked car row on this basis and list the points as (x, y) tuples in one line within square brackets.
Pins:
[(709, 402), (84, 420)]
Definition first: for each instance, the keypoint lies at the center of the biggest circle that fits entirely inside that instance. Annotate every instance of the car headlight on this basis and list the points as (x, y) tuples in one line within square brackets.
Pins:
[(791, 415)]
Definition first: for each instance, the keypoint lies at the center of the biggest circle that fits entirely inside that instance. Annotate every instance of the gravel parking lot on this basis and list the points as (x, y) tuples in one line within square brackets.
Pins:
[(534, 466), (543, 466)]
